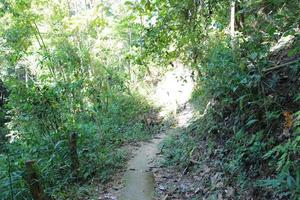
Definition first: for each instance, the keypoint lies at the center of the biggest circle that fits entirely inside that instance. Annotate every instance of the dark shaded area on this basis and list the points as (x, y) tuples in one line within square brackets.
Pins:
[(3, 119)]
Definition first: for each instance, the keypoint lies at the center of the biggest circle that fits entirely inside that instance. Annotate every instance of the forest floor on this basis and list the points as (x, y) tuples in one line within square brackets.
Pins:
[(202, 178)]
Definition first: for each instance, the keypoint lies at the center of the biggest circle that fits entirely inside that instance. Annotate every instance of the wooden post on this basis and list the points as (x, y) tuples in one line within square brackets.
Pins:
[(74, 155), (33, 181)]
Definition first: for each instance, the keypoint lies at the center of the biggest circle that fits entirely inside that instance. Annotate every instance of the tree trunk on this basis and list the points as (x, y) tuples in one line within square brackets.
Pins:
[(129, 68), (34, 182), (26, 76), (240, 17), (74, 155), (232, 22), (232, 19)]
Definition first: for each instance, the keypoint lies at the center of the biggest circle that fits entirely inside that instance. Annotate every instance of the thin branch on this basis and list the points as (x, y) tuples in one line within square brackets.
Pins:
[(10, 177), (279, 66), (42, 44)]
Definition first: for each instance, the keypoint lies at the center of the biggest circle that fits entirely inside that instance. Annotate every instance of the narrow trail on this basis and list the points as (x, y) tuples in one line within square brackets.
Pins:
[(138, 179), (171, 94)]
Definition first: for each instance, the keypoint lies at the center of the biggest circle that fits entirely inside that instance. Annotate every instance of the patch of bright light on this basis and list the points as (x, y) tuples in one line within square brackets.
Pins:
[(174, 90)]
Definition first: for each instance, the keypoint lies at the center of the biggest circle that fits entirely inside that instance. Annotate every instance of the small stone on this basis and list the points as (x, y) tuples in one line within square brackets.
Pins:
[(162, 188), (230, 192)]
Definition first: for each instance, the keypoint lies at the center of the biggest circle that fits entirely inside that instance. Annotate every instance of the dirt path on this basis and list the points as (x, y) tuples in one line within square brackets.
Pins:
[(138, 179), (171, 94)]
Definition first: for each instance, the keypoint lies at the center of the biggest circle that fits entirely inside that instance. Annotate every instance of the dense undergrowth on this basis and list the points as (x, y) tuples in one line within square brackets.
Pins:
[(251, 81), (100, 135), (64, 75), (251, 127), (256, 118)]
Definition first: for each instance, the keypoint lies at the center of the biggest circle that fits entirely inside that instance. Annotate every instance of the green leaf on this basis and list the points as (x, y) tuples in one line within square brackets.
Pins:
[(251, 122), (129, 3)]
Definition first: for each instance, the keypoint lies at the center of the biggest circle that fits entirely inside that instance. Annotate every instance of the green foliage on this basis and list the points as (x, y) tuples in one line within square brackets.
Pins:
[(252, 122), (62, 80), (177, 150), (75, 69), (251, 79)]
